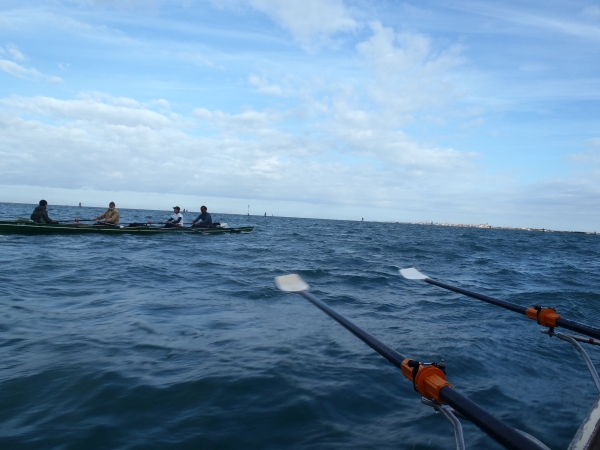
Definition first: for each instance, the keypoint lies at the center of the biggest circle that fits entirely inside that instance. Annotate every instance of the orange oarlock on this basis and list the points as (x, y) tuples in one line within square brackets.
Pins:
[(428, 380), (544, 316)]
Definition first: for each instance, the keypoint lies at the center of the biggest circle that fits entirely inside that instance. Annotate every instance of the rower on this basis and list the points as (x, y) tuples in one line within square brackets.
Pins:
[(111, 216), (176, 219), (204, 220), (40, 213)]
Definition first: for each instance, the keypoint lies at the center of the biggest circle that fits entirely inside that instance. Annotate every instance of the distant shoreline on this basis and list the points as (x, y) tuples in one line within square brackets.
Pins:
[(487, 226)]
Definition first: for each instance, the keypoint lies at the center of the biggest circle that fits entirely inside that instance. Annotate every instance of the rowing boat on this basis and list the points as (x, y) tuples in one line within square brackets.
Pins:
[(20, 227)]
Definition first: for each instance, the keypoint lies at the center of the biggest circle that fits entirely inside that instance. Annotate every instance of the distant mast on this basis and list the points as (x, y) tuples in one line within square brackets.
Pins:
[(80, 204), (248, 209)]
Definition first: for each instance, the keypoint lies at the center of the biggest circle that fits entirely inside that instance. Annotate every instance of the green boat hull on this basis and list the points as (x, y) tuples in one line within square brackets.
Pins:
[(39, 228)]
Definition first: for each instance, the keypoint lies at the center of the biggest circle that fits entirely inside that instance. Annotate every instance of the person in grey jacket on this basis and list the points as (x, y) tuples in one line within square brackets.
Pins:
[(40, 213), (204, 220)]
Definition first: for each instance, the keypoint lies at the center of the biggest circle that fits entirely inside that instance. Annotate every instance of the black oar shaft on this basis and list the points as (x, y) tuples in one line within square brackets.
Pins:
[(561, 322), (578, 327), (495, 428), (384, 350), (494, 301)]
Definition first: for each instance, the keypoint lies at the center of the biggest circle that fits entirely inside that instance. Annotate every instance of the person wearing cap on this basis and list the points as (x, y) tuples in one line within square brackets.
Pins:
[(204, 220), (40, 213), (176, 219), (111, 216)]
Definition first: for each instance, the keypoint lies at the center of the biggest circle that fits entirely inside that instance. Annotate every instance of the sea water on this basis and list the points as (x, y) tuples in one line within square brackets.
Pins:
[(183, 341)]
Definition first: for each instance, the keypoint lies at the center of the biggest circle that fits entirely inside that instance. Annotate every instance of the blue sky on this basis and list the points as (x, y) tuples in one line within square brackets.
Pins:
[(465, 112)]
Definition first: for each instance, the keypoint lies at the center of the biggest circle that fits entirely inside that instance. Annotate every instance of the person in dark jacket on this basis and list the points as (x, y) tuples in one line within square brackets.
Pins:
[(204, 220), (40, 213)]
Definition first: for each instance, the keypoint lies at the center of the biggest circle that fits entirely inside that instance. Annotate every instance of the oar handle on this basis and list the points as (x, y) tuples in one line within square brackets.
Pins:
[(495, 428)]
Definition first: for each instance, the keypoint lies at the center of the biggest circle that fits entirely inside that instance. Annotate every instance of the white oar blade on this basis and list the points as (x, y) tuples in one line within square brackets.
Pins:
[(412, 274), (291, 283)]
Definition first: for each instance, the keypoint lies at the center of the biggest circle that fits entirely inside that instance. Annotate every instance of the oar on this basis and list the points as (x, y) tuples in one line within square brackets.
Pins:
[(93, 220), (123, 224), (25, 219), (429, 380), (546, 317)]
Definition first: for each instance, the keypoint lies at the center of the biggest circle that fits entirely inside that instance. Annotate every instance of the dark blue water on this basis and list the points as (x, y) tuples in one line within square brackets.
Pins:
[(179, 341)]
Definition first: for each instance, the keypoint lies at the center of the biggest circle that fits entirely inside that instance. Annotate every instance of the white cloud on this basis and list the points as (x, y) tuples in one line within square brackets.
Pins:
[(411, 74), (162, 103), (250, 120), (264, 86), (311, 22), (369, 135), (15, 53), (409, 78), (594, 141), (247, 119), (122, 4), (124, 101), (532, 67), (592, 12), (196, 58), (18, 70), (203, 114), (92, 142), (477, 122), (589, 160), (540, 20), (125, 112)]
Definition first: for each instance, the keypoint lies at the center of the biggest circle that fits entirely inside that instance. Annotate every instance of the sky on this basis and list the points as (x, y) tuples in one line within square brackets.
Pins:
[(447, 111)]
